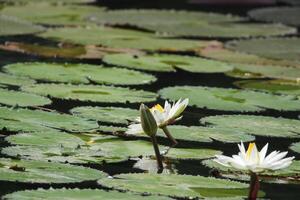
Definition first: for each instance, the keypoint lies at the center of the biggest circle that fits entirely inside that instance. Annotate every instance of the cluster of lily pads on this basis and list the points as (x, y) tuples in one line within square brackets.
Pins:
[(63, 121)]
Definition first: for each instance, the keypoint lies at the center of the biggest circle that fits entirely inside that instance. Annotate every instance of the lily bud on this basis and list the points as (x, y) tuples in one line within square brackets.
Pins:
[(147, 120)]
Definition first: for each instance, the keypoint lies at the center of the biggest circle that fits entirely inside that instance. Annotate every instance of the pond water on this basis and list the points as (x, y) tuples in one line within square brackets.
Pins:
[(180, 77)]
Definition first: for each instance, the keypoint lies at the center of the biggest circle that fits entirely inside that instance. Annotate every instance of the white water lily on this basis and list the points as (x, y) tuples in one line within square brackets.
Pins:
[(163, 115), (255, 161)]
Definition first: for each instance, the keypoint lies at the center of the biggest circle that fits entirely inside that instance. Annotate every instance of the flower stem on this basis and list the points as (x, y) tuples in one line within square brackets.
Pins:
[(157, 153), (168, 134), (254, 186)]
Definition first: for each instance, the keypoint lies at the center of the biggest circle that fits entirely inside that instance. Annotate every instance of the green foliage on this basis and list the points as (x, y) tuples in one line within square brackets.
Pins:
[(14, 80), (256, 125), (79, 73), (45, 172), (22, 99), (161, 62), (230, 99), (295, 147), (78, 194), (176, 185), (13, 26), (91, 93)]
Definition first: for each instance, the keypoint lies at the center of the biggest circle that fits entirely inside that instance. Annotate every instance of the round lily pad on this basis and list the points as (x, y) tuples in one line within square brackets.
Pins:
[(8, 79), (78, 194), (91, 93), (45, 172), (176, 185), (13, 26), (275, 48), (37, 120), (230, 99), (256, 125), (274, 86), (115, 115), (161, 62), (286, 175), (53, 14), (22, 99), (296, 147), (121, 38), (284, 15), (79, 73)]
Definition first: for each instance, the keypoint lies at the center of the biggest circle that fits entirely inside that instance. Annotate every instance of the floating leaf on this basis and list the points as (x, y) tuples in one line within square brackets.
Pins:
[(13, 26), (284, 15), (286, 175), (256, 125), (78, 194), (274, 86), (91, 93), (176, 185), (45, 172), (121, 38), (295, 147), (22, 99), (115, 115), (274, 48), (53, 14), (230, 99), (14, 80), (37, 120), (79, 73), (161, 62), (189, 154), (182, 23)]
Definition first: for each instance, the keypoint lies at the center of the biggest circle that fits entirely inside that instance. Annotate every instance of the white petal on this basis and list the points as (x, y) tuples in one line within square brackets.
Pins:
[(262, 153), (134, 129)]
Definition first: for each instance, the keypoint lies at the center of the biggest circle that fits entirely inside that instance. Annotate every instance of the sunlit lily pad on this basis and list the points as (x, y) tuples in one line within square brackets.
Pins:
[(176, 185), (35, 120), (284, 15), (121, 38), (115, 115), (79, 73), (78, 194), (13, 26), (256, 125), (275, 48), (53, 14), (287, 175), (274, 86), (295, 147), (91, 93), (45, 172), (22, 99), (7, 79), (230, 99), (161, 62)]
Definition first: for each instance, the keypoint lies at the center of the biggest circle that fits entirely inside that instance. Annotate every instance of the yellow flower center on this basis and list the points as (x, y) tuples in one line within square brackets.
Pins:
[(157, 107), (250, 151)]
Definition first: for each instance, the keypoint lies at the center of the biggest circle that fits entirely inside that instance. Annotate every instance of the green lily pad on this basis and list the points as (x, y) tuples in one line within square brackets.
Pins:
[(45, 172), (230, 99), (176, 185), (78, 194), (121, 38), (284, 15), (295, 147), (256, 125), (53, 14), (79, 73), (190, 154), (13, 26), (286, 175), (115, 115), (22, 99), (91, 93), (161, 62), (37, 120), (274, 48), (182, 23), (7, 79), (274, 86)]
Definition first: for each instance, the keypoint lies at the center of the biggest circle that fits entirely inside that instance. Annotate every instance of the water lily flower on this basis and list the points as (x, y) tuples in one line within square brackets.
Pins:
[(255, 162), (163, 116)]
